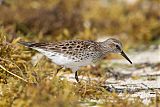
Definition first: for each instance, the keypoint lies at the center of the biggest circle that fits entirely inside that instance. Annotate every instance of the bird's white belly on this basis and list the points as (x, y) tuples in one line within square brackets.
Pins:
[(65, 61), (57, 58), (83, 62), (61, 60), (69, 62)]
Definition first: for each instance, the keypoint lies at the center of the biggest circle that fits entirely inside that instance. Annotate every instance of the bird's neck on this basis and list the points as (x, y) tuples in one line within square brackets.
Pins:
[(105, 47)]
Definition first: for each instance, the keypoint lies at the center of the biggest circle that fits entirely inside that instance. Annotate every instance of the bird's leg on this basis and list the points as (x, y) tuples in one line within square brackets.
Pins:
[(58, 70), (76, 76)]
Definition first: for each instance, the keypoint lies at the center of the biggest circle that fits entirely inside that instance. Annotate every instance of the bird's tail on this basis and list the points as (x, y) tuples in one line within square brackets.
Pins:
[(28, 44), (33, 44)]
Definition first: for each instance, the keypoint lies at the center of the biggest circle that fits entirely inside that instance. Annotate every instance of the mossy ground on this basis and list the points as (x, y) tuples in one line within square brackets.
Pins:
[(54, 20)]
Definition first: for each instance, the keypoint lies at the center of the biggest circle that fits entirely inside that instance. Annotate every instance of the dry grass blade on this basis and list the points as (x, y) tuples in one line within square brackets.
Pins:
[(13, 74), (12, 63)]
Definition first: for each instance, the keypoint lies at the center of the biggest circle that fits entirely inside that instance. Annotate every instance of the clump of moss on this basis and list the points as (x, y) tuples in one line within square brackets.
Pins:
[(12, 58), (52, 92)]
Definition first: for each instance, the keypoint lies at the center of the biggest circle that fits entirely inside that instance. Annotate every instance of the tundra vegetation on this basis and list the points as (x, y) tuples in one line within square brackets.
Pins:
[(22, 84)]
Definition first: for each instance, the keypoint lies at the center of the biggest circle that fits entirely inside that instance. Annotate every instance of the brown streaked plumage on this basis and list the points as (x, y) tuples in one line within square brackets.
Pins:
[(76, 53)]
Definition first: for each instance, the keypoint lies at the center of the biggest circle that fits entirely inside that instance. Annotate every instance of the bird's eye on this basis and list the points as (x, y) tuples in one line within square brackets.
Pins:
[(118, 47)]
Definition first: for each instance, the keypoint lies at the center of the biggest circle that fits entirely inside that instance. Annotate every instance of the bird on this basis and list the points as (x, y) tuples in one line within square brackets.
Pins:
[(74, 54)]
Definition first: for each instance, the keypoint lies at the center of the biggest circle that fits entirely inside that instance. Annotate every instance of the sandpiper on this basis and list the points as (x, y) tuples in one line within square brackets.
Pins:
[(74, 54)]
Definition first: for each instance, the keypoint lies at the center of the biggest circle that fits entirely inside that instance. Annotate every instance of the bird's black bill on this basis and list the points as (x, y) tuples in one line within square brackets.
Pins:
[(125, 56)]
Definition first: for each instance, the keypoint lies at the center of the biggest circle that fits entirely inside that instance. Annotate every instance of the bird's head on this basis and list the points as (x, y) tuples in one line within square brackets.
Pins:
[(114, 46)]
